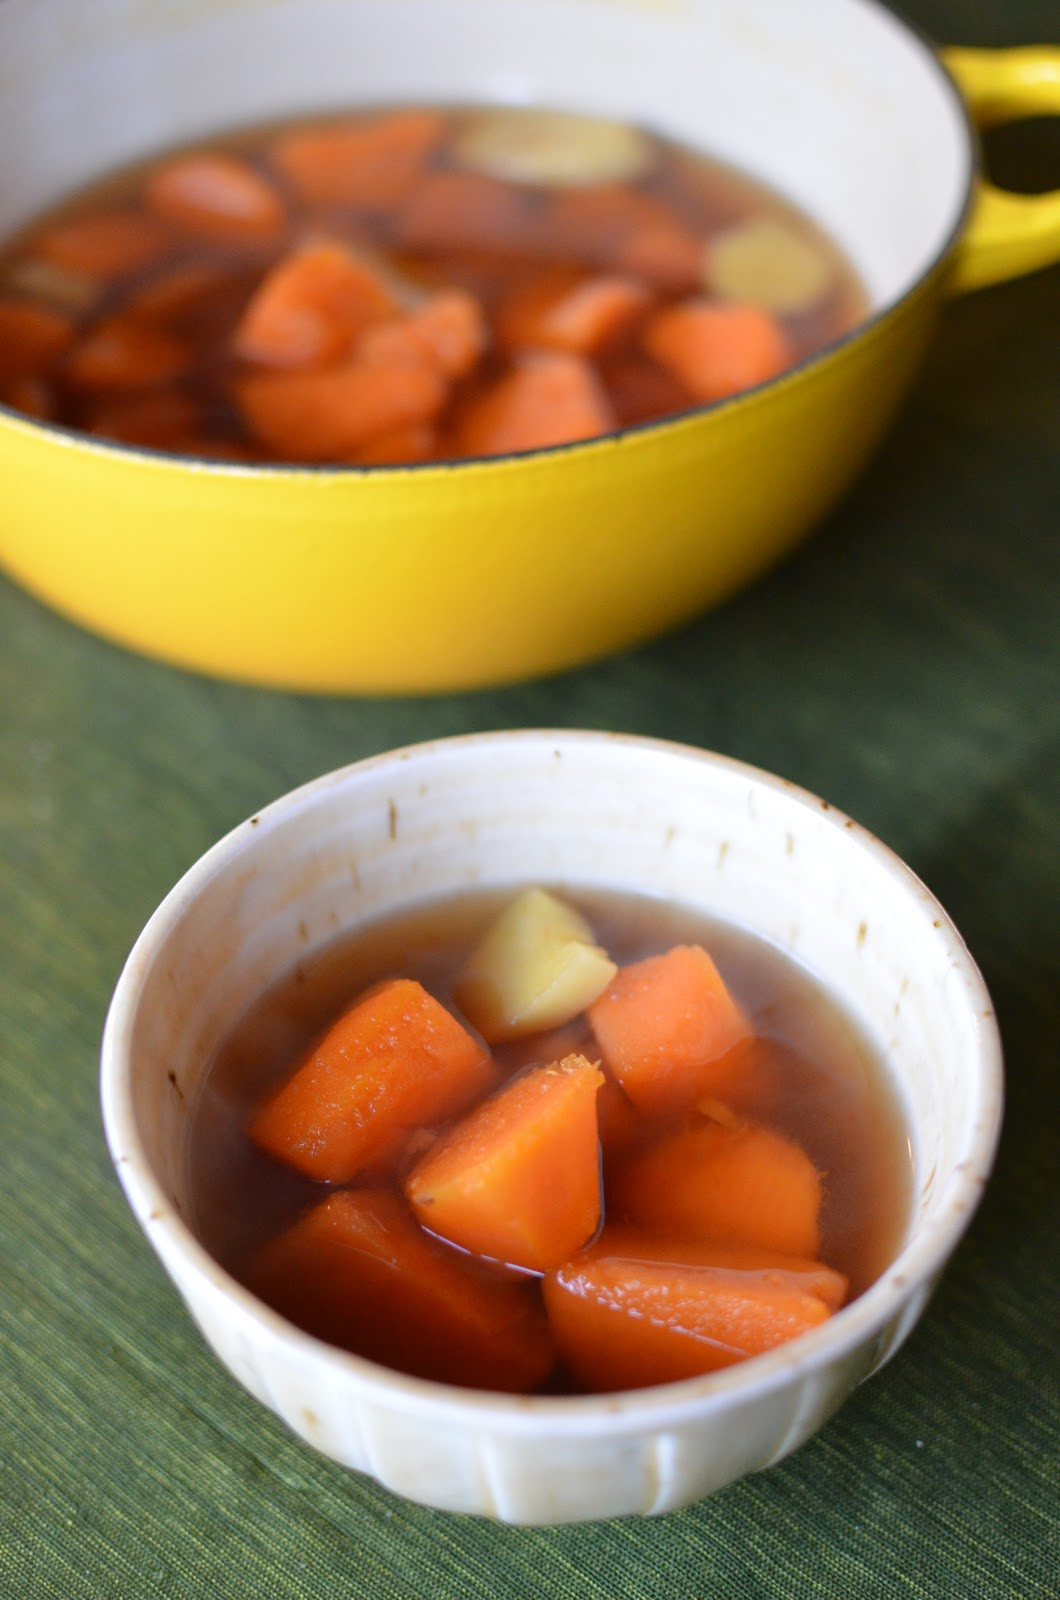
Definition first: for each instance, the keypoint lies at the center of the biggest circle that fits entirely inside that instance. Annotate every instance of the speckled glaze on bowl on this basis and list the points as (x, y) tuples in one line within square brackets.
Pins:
[(582, 809)]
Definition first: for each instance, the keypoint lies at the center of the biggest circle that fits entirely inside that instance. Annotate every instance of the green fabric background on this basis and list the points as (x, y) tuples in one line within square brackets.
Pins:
[(905, 665)]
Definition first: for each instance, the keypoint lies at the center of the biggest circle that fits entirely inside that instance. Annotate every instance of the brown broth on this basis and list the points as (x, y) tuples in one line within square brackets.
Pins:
[(199, 411), (822, 1084)]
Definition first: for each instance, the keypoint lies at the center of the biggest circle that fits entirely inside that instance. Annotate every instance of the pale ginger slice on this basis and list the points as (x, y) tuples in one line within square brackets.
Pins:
[(537, 966), (555, 149), (52, 284), (768, 263)]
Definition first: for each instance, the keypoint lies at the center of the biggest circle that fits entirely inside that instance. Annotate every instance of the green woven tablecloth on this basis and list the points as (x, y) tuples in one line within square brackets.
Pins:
[(905, 665)]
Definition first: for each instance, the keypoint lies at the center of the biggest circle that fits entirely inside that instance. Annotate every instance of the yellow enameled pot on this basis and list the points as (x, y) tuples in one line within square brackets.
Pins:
[(437, 577)]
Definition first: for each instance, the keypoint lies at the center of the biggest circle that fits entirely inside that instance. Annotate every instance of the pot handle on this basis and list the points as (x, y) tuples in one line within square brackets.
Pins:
[(1008, 234)]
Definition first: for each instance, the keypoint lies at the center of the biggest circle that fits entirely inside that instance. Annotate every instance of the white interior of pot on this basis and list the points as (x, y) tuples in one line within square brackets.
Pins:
[(833, 102)]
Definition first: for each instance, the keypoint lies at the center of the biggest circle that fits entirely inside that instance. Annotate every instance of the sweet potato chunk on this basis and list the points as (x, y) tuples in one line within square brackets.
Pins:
[(734, 1182), (633, 1310), (31, 338), (620, 1125), (358, 1272), (585, 315), (310, 308), (394, 1061), (594, 224), (448, 329), (664, 255), (400, 447), (122, 352), (369, 164), (640, 390), (103, 244), (519, 1178), (451, 210), (34, 397), (175, 293), (548, 398), (159, 418), (716, 350), (329, 415), (216, 197), (670, 1031)]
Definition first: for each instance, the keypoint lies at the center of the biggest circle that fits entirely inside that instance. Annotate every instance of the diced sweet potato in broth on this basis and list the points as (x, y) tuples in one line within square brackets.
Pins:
[(404, 285), (556, 1203)]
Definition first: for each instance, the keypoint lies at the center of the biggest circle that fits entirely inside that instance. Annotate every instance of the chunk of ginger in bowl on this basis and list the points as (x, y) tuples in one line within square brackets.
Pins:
[(537, 966)]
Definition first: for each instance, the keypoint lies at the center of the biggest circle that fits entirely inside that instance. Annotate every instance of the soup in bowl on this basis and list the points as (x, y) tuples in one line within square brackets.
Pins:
[(528, 554), (316, 1219)]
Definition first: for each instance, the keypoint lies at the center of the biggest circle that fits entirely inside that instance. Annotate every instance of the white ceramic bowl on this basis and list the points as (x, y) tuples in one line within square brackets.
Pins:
[(582, 809)]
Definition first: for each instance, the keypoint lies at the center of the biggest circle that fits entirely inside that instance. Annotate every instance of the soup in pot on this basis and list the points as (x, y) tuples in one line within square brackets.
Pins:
[(411, 285)]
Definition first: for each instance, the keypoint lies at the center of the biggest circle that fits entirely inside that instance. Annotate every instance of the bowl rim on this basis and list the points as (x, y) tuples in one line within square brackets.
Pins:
[(912, 1271), (863, 330)]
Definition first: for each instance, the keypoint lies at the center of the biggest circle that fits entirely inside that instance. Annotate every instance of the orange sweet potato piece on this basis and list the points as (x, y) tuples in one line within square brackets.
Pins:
[(640, 390), (394, 1060), (670, 1031), (31, 338), (717, 349), (634, 1310), (103, 244), (124, 353), (619, 1122), (565, 311), (159, 418), (546, 398), (368, 164), (358, 1272), (519, 1178), (736, 1182), (664, 255), (620, 229), (32, 396), (452, 326), (595, 223), (330, 415), (448, 328), (451, 210), (216, 197), (310, 308), (418, 441), (177, 292)]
